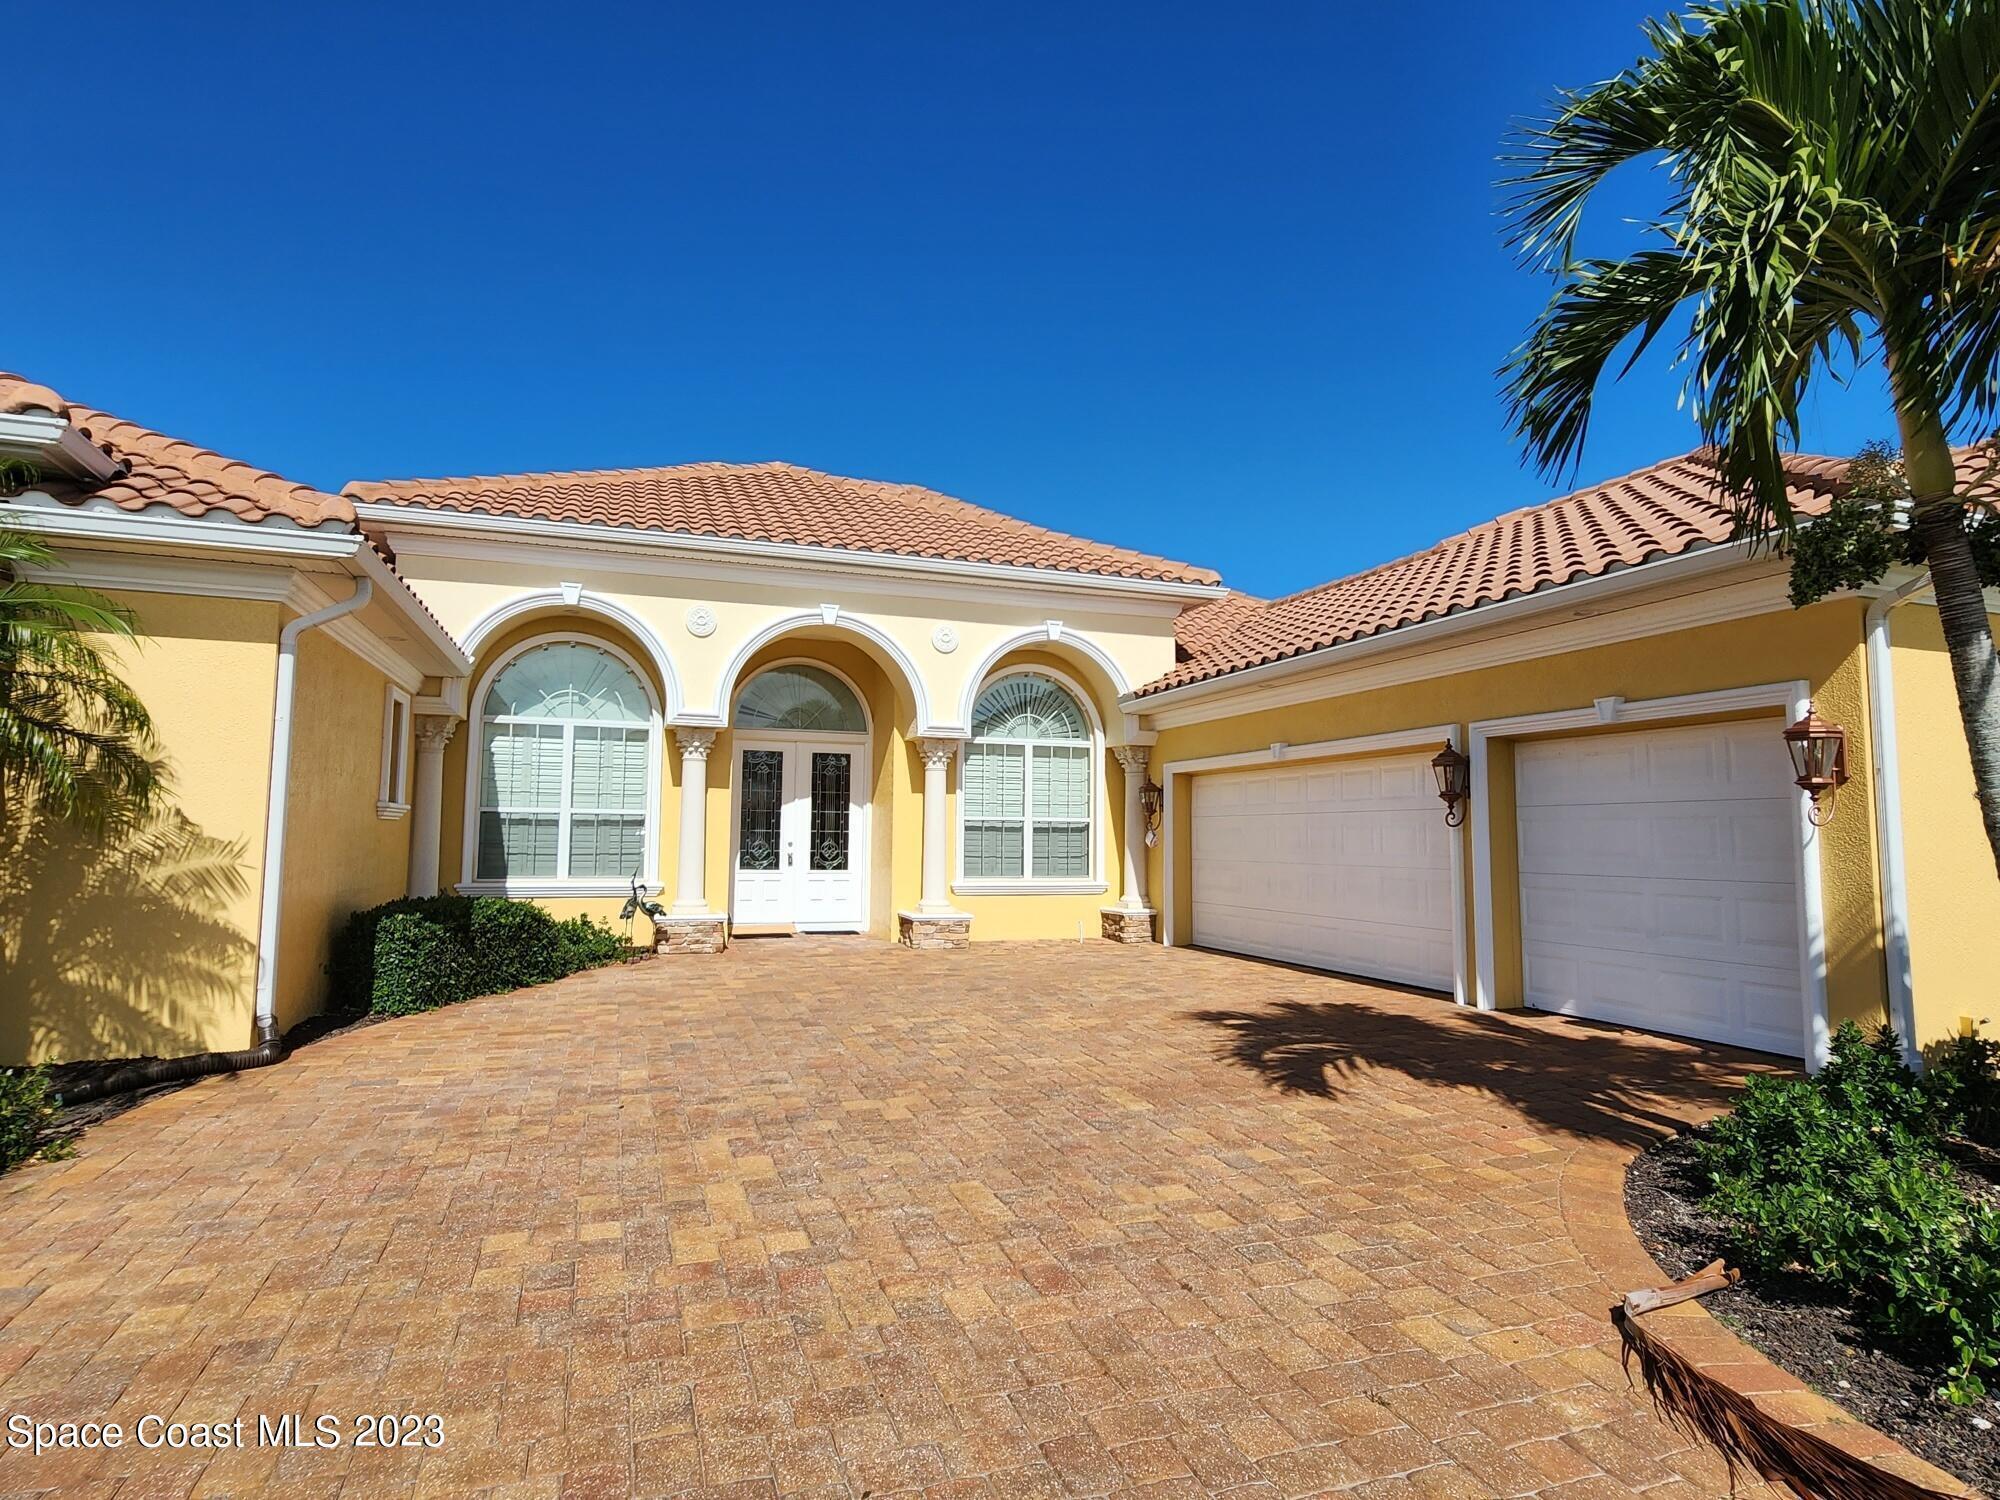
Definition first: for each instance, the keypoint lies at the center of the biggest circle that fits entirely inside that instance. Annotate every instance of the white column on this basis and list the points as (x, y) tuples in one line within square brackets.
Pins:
[(937, 756), (691, 880), (432, 733), (1134, 759)]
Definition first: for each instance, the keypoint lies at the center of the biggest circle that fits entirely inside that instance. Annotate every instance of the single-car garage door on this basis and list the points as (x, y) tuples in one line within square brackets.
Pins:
[(1659, 882), (1341, 865)]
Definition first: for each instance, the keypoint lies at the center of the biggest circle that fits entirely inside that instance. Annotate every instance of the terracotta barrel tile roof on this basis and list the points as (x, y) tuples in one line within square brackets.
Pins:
[(161, 470), (778, 502), (1662, 511)]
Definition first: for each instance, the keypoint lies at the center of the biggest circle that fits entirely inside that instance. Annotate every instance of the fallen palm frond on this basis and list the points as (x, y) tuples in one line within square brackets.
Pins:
[(1748, 1437)]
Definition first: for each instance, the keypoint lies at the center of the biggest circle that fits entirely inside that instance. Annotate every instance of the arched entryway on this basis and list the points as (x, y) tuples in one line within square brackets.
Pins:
[(800, 805)]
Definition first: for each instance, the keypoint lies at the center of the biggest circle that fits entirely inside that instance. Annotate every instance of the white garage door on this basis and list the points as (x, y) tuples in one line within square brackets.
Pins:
[(1344, 865), (1659, 885)]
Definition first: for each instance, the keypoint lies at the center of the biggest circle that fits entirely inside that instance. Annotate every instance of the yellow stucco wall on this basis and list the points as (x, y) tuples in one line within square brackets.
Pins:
[(1821, 645), (339, 856), (1954, 894), (111, 955)]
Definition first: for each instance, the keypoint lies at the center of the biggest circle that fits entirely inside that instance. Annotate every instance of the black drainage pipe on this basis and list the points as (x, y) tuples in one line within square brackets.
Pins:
[(145, 1075)]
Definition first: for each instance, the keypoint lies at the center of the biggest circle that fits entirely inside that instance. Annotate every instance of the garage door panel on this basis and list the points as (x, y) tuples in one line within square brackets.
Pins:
[(1682, 997), (1708, 763), (1723, 921), (1680, 840), (1342, 866), (1658, 882)]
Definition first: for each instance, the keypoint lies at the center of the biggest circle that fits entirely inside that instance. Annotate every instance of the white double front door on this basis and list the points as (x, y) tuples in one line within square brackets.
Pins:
[(800, 837)]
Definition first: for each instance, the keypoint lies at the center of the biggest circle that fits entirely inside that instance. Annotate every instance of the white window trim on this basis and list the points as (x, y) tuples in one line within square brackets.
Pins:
[(392, 783), (1094, 882), (1789, 698), (559, 885)]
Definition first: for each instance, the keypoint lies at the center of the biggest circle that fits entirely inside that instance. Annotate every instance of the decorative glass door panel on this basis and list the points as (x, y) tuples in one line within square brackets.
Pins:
[(797, 827), (762, 883)]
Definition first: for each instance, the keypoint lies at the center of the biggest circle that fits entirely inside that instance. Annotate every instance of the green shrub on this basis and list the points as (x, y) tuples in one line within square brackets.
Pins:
[(422, 963), (26, 1112), (1964, 1081), (1842, 1179), (417, 954)]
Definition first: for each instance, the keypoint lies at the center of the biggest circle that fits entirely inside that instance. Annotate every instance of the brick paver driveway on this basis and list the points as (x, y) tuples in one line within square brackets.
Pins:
[(833, 1217)]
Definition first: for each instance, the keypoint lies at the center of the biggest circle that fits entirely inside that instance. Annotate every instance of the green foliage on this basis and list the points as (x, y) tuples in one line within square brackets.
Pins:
[(26, 1111), (417, 954), (73, 738), (1963, 1077), (1842, 1180), (1830, 200)]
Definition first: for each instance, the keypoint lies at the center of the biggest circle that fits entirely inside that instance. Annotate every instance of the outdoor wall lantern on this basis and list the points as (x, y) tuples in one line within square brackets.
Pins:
[(1454, 774), (1819, 755), (1149, 807)]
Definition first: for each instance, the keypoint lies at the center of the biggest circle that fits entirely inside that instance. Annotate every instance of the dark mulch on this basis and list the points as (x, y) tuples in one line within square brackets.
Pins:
[(1799, 1331)]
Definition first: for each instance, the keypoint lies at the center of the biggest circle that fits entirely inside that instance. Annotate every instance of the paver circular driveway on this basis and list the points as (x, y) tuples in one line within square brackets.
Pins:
[(831, 1216)]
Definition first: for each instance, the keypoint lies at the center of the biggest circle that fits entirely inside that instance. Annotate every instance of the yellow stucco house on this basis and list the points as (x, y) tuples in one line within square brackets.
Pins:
[(784, 701)]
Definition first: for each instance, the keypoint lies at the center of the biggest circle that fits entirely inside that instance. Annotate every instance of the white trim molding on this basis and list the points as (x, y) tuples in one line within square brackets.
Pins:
[(682, 544), (1787, 698), (813, 619), (1050, 633), (1356, 747), (1668, 594), (1891, 862), (570, 599)]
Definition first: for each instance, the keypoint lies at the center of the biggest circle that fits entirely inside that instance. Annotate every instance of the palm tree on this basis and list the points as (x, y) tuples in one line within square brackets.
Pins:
[(73, 738), (1833, 171)]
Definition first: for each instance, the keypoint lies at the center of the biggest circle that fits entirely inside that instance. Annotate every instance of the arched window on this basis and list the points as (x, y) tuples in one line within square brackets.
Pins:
[(800, 697), (565, 759), (1027, 788)]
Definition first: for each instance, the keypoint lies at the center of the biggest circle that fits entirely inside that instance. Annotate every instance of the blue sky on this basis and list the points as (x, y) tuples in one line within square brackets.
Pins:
[(1221, 282)]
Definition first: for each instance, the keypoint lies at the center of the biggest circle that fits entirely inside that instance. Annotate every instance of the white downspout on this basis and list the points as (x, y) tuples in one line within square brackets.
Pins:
[(274, 818), (1892, 872)]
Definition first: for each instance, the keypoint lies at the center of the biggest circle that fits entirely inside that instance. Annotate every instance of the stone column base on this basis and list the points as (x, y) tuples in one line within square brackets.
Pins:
[(1122, 925), (703, 934), (927, 929)]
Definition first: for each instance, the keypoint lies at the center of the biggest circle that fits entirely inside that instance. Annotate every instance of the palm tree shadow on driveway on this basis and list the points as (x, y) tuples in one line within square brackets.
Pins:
[(1583, 1078)]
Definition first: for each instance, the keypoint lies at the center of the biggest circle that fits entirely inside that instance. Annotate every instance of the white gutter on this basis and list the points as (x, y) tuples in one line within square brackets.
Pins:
[(274, 818), (1892, 871)]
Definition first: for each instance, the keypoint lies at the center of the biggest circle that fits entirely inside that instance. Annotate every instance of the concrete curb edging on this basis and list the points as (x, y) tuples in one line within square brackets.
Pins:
[(1593, 1208)]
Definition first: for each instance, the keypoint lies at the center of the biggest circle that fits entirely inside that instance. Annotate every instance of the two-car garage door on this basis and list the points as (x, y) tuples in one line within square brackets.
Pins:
[(1657, 876), (1342, 865)]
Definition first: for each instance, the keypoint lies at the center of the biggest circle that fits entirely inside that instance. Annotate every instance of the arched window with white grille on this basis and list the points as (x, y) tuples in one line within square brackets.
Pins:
[(566, 752), (1028, 785)]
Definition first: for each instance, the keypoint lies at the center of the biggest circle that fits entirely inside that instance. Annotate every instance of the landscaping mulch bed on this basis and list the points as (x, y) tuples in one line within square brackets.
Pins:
[(1798, 1330)]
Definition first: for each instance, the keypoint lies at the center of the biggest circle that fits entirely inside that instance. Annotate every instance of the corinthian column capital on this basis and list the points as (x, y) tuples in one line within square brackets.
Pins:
[(937, 753), (434, 731), (1133, 757), (695, 743)]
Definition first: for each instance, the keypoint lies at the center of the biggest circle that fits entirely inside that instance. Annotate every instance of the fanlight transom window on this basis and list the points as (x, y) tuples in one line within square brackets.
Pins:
[(565, 755), (1029, 783), (800, 697)]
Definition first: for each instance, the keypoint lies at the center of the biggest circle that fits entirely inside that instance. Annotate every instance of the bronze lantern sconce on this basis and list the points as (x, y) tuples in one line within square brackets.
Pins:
[(1454, 778), (1819, 756), (1149, 808)]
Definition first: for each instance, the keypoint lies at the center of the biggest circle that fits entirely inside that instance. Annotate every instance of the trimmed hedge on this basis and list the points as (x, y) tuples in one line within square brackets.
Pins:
[(1845, 1181), (415, 955)]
